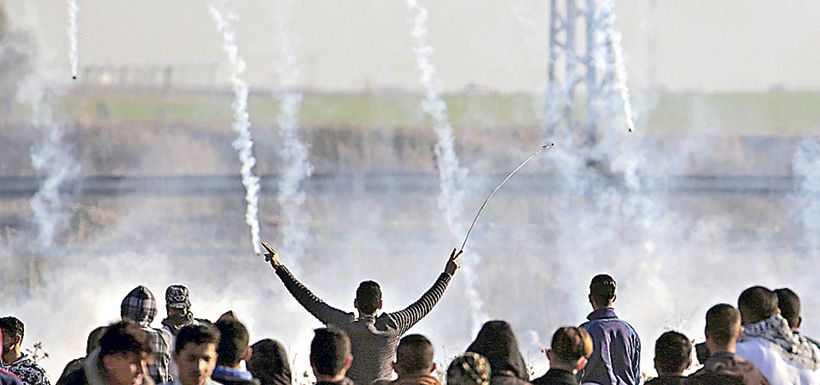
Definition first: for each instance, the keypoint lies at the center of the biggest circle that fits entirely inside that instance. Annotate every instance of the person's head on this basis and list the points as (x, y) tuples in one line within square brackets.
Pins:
[(269, 363), (195, 353), (330, 353), (789, 304), (496, 341), (756, 304), (469, 369), (13, 332), (414, 355), (602, 291), (368, 298), (124, 348), (139, 306), (570, 348), (233, 343), (673, 354), (93, 340), (177, 300), (722, 328)]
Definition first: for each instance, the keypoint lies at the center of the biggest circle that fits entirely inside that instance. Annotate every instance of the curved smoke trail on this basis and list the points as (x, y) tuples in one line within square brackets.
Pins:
[(241, 124), (294, 153), (73, 10), (451, 175), (617, 51), (50, 158)]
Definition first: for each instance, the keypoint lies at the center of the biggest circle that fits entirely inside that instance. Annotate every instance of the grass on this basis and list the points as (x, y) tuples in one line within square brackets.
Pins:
[(777, 113)]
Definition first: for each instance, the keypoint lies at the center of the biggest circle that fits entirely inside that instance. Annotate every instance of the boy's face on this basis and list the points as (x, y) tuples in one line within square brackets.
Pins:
[(127, 368), (196, 363)]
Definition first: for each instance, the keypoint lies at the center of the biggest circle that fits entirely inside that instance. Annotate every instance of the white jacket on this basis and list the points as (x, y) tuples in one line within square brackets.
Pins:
[(777, 369)]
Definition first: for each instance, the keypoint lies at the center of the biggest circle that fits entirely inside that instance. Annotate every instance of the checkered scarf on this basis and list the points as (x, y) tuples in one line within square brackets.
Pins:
[(791, 346), (139, 306)]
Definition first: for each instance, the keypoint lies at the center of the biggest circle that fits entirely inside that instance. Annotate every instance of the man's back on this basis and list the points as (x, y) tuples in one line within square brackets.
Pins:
[(616, 355), (373, 339)]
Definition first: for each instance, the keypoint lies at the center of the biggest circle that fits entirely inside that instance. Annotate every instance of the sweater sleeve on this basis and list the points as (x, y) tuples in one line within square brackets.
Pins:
[(405, 319), (325, 313)]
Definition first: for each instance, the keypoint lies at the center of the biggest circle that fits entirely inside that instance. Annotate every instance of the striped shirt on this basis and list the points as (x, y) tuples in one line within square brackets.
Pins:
[(373, 340)]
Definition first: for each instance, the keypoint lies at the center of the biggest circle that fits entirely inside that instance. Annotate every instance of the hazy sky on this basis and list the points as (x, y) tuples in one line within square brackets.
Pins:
[(715, 45)]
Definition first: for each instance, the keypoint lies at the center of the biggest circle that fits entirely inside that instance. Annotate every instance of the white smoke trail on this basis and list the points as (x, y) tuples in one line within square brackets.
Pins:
[(241, 124), (50, 158), (806, 165), (614, 40), (294, 153), (451, 175), (73, 10)]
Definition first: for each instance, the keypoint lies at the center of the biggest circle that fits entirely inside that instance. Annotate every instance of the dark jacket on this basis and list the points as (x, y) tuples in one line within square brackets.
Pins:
[(373, 340), (556, 377), (229, 376), (667, 380), (730, 364), (498, 344), (345, 381), (616, 354), (9, 378)]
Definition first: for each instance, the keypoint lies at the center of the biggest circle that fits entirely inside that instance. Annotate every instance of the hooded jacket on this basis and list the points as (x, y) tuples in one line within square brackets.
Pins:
[(498, 344), (141, 307), (781, 355)]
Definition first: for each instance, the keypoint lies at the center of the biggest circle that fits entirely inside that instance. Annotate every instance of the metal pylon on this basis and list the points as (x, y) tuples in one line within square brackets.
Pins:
[(581, 69)]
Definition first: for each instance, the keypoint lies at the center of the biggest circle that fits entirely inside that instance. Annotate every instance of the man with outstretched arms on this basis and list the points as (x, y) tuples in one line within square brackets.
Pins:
[(373, 336)]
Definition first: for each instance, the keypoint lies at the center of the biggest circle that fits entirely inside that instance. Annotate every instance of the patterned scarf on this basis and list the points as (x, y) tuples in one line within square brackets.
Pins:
[(793, 347)]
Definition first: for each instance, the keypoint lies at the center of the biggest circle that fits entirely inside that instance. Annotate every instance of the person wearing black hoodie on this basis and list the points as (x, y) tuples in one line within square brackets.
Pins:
[(498, 344), (269, 363), (568, 353)]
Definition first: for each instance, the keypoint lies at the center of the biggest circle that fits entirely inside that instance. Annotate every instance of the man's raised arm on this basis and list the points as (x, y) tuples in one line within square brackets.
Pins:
[(405, 319), (314, 305)]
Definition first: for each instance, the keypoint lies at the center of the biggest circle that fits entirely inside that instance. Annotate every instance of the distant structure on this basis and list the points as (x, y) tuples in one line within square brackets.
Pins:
[(581, 85)]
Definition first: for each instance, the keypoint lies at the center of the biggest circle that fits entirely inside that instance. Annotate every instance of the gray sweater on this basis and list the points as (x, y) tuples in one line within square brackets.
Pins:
[(373, 340)]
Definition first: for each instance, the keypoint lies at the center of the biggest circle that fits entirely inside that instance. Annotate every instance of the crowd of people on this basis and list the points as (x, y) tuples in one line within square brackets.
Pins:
[(758, 342)]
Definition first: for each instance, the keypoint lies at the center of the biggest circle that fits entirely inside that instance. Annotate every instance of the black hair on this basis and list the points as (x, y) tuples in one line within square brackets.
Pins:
[(233, 342), (269, 363), (124, 337), (414, 353), (756, 304), (13, 326), (329, 350), (672, 353), (789, 304), (368, 296), (197, 335), (602, 289), (722, 322), (569, 344)]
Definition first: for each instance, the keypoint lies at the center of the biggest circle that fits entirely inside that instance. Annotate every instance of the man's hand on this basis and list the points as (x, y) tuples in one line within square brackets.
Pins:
[(454, 262), (272, 256)]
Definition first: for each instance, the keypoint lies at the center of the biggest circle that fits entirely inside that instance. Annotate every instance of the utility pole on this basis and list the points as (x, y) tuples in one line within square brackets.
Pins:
[(581, 44)]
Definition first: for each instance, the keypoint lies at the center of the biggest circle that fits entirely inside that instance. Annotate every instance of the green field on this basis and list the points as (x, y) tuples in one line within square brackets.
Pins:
[(771, 113)]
